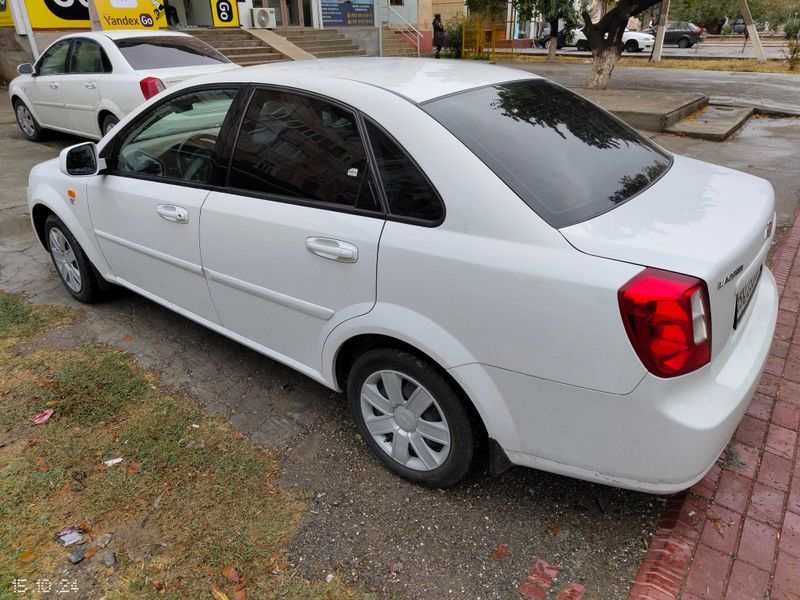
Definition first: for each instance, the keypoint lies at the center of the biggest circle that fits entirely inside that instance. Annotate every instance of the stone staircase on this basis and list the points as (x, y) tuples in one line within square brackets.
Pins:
[(238, 45), (396, 44), (322, 43)]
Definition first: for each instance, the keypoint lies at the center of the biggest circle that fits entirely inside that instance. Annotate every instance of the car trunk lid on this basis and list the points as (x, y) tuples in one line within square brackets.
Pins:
[(699, 220), (175, 75)]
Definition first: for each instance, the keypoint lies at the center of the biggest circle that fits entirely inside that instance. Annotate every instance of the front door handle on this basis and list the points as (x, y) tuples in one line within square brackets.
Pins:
[(170, 212), (332, 249), (90, 85), (54, 85)]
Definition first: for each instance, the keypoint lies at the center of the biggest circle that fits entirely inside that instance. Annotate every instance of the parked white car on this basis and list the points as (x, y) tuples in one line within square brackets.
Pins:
[(393, 228), (634, 41), (86, 82)]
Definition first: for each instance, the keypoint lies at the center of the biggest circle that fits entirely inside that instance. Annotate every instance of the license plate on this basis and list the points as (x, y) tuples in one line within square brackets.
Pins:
[(744, 295)]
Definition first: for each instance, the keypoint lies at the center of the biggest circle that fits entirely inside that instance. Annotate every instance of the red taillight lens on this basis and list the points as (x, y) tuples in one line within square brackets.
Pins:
[(151, 86), (668, 321)]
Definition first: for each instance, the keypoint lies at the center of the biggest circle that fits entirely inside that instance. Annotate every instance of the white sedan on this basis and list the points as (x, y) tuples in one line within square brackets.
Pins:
[(86, 82), (393, 229), (634, 41)]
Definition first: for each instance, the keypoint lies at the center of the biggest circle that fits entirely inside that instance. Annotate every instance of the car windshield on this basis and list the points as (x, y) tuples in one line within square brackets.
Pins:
[(162, 52), (565, 157)]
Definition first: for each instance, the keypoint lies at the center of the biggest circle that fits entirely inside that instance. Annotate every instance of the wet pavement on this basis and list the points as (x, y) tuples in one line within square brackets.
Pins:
[(364, 524)]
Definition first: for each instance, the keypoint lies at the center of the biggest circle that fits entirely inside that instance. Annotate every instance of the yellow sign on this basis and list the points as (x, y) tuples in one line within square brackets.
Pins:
[(225, 13), (6, 20), (61, 14), (131, 14)]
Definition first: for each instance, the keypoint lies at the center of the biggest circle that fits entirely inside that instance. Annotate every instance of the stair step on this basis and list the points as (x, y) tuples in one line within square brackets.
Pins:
[(312, 48), (256, 61), (219, 45), (246, 51), (335, 53), (712, 122)]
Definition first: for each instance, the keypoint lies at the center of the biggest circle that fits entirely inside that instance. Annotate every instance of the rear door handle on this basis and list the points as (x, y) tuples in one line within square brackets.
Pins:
[(170, 212), (90, 85), (54, 85), (332, 249)]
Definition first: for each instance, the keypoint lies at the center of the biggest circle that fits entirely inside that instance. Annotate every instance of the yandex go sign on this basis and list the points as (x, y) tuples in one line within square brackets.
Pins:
[(131, 14), (224, 13)]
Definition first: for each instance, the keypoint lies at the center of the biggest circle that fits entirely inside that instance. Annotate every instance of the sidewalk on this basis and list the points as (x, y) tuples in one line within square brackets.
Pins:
[(736, 534)]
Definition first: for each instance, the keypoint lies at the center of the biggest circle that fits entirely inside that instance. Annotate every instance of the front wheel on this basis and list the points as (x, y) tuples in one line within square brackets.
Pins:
[(411, 417), (73, 267), (27, 122), (632, 46), (109, 121)]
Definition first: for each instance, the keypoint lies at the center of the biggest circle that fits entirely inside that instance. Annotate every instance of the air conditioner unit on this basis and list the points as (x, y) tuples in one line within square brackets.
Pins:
[(264, 18)]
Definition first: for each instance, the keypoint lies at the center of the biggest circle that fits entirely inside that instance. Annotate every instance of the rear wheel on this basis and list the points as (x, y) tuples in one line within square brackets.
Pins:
[(631, 46), (73, 267), (109, 121), (411, 417), (684, 43), (27, 123)]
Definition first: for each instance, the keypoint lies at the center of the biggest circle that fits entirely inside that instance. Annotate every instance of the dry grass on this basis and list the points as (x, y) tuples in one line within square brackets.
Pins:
[(190, 497)]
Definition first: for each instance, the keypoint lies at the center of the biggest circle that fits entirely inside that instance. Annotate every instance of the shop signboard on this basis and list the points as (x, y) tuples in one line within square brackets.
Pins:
[(348, 13)]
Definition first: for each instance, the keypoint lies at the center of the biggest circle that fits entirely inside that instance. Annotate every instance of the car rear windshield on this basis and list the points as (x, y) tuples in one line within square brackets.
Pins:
[(565, 157), (163, 52)]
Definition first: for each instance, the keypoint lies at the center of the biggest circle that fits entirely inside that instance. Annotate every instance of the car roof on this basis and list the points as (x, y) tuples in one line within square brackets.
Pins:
[(416, 79), (122, 34)]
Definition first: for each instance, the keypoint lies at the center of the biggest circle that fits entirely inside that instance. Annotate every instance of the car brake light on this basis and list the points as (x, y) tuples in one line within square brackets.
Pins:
[(151, 86), (668, 321)]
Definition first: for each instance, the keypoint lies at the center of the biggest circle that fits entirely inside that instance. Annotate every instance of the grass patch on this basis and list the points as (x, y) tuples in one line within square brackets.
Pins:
[(722, 64), (190, 497)]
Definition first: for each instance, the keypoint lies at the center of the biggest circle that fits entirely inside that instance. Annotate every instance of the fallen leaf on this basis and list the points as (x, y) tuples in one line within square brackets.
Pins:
[(90, 552), (500, 552), (42, 465), (127, 339), (134, 468), (231, 573), (43, 416), (238, 435), (555, 529), (240, 594), (159, 586), (27, 557), (218, 594), (716, 522), (208, 570)]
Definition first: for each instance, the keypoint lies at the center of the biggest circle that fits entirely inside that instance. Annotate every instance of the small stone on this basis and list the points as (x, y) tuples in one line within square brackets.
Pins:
[(396, 567), (109, 559), (77, 556), (103, 540), (328, 577)]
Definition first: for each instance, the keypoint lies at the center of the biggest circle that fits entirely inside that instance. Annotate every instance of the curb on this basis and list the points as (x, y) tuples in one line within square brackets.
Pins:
[(663, 572)]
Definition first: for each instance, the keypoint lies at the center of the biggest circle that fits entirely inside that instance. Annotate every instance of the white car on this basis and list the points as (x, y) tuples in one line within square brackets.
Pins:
[(634, 41), (392, 228), (86, 82)]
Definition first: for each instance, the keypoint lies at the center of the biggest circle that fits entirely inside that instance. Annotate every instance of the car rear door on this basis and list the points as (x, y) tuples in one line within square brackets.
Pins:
[(290, 247), (44, 90), (80, 87), (146, 209)]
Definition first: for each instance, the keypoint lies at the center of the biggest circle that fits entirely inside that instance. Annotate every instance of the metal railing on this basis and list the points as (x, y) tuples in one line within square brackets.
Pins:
[(415, 38)]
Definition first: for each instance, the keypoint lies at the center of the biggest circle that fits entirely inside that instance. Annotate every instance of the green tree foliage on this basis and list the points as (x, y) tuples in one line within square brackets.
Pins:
[(487, 8)]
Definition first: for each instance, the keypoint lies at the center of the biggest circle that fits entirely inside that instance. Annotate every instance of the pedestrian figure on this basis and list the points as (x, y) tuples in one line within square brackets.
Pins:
[(438, 34)]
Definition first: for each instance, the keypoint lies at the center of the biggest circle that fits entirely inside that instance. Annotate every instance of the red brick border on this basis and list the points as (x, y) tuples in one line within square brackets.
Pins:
[(736, 533)]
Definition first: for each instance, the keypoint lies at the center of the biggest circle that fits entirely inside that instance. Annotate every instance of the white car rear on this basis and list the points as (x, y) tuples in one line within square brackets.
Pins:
[(85, 83), (633, 41), (467, 250)]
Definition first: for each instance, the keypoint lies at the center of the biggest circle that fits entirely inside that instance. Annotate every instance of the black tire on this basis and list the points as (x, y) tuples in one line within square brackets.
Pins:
[(631, 46), (448, 405), (27, 122), (109, 121), (90, 289), (684, 43), (582, 45)]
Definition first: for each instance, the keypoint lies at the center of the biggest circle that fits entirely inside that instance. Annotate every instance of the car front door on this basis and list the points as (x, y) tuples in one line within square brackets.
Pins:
[(290, 247), (146, 209), (80, 86), (44, 89)]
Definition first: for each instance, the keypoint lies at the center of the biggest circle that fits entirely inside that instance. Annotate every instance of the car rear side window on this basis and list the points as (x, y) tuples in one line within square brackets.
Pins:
[(163, 52), (407, 190), (301, 148), (565, 157)]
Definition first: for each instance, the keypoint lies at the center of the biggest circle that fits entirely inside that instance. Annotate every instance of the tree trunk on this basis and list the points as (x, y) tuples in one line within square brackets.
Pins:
[(552, 46), (605, 58)]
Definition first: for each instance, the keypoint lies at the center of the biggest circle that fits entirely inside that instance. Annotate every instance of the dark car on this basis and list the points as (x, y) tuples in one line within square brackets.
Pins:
[(543, 38), (739, 26), (682, 33)]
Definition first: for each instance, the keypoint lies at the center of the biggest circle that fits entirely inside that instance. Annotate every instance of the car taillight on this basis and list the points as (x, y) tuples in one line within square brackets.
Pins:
[(151, 86), (668, 321)]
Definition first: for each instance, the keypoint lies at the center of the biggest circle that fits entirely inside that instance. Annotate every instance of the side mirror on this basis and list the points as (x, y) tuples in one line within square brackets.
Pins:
[(81, 160), (25, 69)]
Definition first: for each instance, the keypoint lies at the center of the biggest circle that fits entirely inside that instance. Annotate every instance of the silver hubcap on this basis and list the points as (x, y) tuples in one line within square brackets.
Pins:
[(64, 257), (405, 420), (109, 126), (25, 119)]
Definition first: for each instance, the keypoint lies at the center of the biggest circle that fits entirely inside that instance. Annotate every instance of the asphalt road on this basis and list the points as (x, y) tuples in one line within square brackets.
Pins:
[(775, 91), (716, 49)]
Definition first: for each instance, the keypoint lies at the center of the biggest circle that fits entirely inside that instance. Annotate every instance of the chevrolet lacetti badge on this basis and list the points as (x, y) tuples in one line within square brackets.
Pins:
[(724, 282)]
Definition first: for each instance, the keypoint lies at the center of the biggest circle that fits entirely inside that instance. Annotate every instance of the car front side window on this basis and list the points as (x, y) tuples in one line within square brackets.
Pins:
[(175, 140), (54, 60), (302, 148)]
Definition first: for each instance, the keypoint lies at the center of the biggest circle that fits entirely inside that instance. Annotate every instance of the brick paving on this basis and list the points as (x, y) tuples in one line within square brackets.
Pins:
[(736, 534)]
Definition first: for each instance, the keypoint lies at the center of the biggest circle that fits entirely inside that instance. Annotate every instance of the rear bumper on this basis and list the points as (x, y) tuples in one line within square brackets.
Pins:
[(662, 437)]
